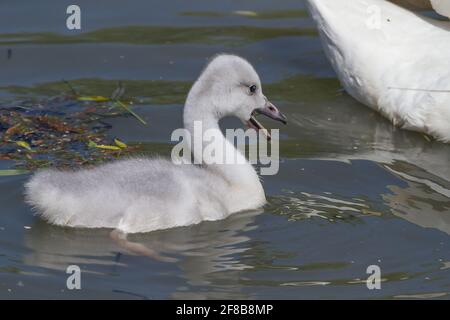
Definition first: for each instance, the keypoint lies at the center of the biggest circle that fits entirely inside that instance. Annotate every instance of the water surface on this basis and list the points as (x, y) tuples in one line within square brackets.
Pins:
[(352, 190)]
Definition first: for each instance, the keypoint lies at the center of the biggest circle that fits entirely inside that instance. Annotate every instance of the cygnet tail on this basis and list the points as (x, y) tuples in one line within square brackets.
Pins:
[(43, 193)]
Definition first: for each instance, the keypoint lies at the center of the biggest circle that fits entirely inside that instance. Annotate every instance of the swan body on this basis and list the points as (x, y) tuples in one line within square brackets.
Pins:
[(440, 6), (398, 65), (143, 194)]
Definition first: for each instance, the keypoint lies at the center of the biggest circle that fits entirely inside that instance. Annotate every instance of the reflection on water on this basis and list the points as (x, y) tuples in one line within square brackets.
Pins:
[(203, 253), (425, 201), (424, 167), (304, 205)]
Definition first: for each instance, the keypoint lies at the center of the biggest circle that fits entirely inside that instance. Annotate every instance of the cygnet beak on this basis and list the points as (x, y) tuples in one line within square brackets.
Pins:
[(269, 110)]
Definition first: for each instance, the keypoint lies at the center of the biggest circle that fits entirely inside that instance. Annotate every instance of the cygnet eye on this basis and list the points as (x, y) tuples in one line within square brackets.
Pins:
[(252, 89)]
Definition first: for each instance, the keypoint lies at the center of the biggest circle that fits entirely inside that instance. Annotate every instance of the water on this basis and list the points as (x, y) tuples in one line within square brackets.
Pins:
[(352, 191)]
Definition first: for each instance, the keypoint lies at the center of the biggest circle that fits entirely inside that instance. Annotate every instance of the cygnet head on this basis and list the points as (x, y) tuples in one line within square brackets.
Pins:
[(229, 86)]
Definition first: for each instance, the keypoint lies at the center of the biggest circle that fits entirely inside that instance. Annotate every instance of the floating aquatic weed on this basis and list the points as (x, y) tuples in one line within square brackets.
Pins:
[(93, 98), (127, 108), (115, 98), (24, 144), (12, 172), (120, 144), (92, 144), (62, 131)]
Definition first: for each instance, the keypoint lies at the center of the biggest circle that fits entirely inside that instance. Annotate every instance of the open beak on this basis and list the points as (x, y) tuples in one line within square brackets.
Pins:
[(269, 110)]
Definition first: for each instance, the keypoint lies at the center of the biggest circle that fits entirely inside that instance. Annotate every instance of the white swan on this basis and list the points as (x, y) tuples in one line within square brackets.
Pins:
[(391, 59), (440, 6), (141, 195)]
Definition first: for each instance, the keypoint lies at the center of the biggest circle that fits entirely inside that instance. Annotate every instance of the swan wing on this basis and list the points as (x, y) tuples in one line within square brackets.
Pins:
[(440, 6), (380, 51)]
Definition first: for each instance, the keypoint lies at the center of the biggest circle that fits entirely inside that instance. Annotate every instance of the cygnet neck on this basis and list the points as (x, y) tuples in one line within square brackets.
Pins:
[(239, 172)]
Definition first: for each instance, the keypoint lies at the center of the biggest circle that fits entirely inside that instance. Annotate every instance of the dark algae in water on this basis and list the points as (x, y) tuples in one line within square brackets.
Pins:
[(64, 131)]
